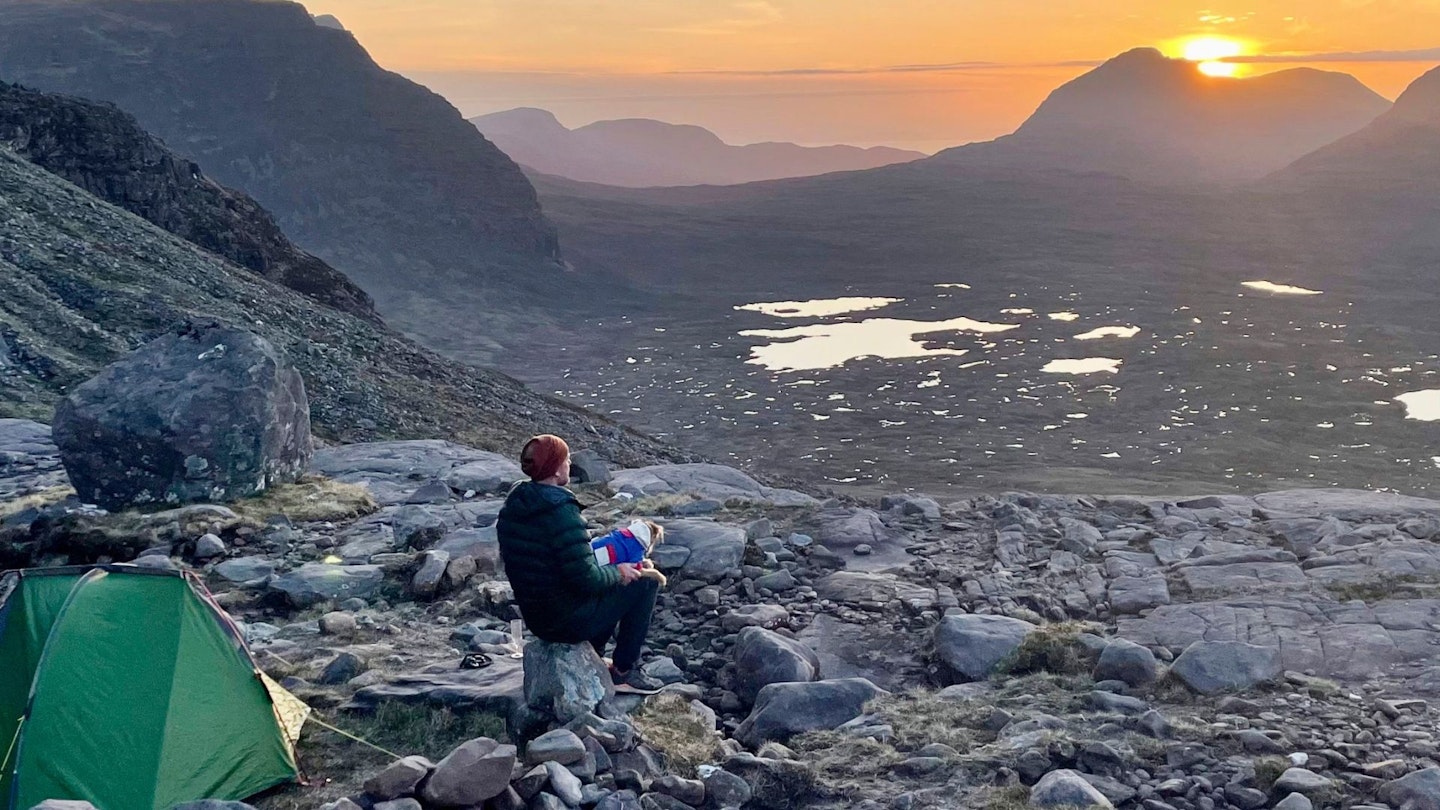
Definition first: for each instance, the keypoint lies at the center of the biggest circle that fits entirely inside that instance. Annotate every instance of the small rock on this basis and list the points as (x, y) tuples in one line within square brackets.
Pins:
[(338, 623), (564, 783), (1300, 780), (341, 669), (689, 791), (208, 547), (426, 582), (561, 745), (1066, 788), (726, 791), (1124, 660), (475, 771), (1295, 801)]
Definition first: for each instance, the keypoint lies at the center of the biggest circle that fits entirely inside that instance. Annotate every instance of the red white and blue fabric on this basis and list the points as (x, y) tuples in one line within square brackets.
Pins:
[(619, 546)]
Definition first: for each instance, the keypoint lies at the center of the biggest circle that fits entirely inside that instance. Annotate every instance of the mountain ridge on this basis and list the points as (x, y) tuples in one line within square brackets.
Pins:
[(643, 152), (1149, 117), (1398, 152)]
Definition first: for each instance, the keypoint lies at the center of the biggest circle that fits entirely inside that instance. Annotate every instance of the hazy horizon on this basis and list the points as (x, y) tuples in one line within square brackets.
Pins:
[(814, 74)]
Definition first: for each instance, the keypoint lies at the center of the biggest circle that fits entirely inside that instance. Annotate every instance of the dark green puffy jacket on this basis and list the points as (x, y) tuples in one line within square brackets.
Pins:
[(547, 557)]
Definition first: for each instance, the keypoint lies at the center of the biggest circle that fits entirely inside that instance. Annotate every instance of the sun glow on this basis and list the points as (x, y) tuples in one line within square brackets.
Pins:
[(1209, 52)]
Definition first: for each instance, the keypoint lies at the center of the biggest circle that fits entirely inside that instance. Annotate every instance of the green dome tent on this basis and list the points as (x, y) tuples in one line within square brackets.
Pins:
[(129, 688)]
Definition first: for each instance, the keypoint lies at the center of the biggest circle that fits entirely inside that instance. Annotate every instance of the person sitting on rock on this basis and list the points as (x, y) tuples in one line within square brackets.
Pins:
[(565, 595)]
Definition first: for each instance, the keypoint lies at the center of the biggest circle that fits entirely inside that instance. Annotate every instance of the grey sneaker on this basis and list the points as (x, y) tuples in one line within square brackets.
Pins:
[(634, 681)]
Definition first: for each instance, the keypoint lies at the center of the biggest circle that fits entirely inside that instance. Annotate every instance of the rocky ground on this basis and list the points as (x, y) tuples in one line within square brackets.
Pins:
[(1000, 651)]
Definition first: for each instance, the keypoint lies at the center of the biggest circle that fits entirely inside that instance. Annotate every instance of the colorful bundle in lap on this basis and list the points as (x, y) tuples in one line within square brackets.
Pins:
[(631, 545)]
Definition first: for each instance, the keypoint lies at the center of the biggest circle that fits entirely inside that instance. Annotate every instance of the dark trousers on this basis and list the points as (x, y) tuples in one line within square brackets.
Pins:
[(623, 612)]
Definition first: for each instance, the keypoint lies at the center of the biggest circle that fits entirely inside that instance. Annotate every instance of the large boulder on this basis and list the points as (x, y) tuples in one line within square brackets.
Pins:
[(783, 710), (208, 413), (716, 549), (763, 657), (565, 681), (1414, 791), (1209, 667), (970, 647)]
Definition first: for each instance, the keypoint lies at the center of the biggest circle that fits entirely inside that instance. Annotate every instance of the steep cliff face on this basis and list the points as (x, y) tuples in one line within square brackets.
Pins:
[(102, 150), (368, 170)]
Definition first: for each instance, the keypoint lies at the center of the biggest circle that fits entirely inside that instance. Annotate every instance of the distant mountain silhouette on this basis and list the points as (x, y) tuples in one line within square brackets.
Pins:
[(329, 21), (1399, 151), (371, 172), (639, 152), (1147, 117)]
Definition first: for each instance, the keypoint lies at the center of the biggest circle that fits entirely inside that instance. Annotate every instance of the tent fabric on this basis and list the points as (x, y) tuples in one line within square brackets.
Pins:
[(136, 694)]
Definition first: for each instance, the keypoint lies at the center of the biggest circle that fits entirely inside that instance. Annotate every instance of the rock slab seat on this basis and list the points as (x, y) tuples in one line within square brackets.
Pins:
[(565, 681), (207, 413)]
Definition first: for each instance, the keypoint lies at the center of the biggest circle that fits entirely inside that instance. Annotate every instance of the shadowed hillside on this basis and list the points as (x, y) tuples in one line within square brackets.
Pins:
[(104, 151), (370, 171), (82, 283), (639, 152)]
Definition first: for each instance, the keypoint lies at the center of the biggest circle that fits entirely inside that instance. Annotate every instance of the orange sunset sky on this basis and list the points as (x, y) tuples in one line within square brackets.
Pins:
[(922, 74)]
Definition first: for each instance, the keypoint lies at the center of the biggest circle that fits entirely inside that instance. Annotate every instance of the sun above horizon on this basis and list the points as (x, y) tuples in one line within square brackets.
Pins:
[(1210, 51)]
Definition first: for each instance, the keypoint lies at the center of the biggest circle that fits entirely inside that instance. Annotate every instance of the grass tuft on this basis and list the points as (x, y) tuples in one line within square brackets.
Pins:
[(1269, 769), (1009, 798), (35, 500), (334, 766), (312, 498), (1054, 648), (922, 718), (666, 722), (845, 761)]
